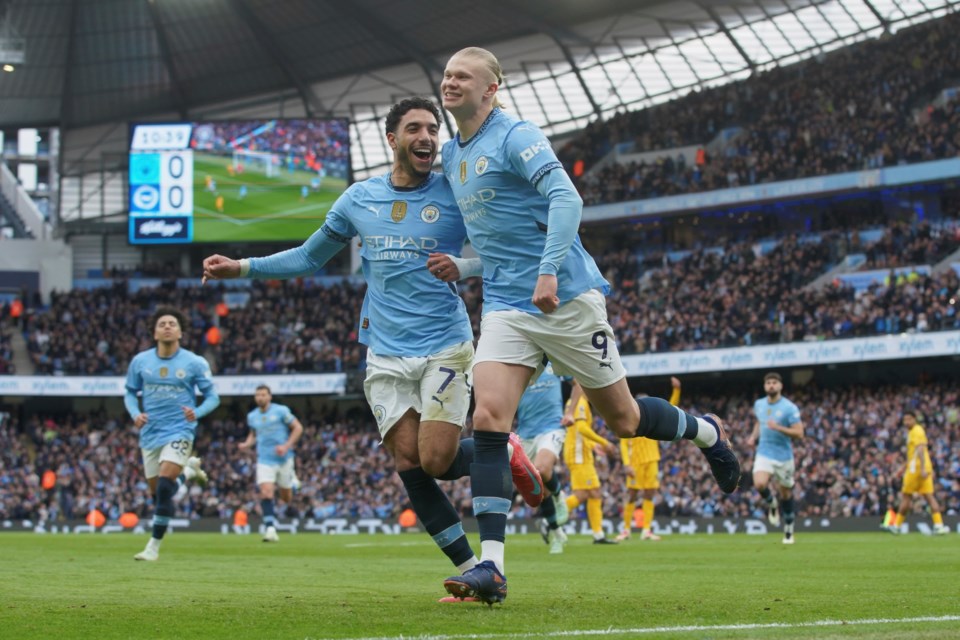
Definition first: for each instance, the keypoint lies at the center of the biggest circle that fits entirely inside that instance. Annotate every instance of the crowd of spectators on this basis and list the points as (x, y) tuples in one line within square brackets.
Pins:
[(6, 349), (734, 297), (738, 293), (285, 327), (846, 464), (861, 107), (292, 326)]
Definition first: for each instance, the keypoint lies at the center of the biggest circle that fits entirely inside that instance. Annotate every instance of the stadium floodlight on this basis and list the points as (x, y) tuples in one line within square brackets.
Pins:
[(264, 161)]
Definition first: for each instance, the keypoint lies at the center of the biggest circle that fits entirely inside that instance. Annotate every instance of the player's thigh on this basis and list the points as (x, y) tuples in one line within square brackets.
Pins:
[(151, 462), (546, 449), (437, 446), (763, 470), (915, 484), (174, 456), (584, 478), (617, 406), (267, 474), (549, 445), (446, 385), (648, 476), (504, 338), (285, 474), (785, 474), (392, 388), (579, 342), (497, 390), (402, 440), (267, 490)]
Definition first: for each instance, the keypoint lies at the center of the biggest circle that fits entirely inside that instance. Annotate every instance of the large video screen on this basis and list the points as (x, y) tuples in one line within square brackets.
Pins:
[(235, 181)]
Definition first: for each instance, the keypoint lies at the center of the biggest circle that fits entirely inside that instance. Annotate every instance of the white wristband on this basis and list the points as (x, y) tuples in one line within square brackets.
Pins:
[(244, 267), (468, 267)]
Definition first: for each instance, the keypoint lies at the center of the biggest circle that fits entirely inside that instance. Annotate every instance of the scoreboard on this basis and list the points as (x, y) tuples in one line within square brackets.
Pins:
[(161, 184)]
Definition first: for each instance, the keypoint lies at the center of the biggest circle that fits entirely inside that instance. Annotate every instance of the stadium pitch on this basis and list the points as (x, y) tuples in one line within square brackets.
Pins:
[(828, 585), (273, 208)]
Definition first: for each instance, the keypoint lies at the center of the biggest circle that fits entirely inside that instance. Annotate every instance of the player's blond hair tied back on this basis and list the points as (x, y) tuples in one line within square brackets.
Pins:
[(491, 64)]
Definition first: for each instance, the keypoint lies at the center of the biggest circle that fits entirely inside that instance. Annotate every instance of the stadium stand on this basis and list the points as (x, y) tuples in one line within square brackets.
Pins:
[(845, 465), (865, 106)]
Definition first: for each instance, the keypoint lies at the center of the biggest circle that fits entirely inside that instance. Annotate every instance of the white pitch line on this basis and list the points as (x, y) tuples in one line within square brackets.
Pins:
[(321, 208), (354, 545), (682, 628)]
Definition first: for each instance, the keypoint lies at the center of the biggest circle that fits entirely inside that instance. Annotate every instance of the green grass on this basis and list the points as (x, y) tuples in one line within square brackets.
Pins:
[(272, 209), (316, 586)]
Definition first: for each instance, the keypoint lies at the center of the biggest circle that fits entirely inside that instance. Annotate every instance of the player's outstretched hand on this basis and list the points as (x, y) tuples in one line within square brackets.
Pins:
[(443, 267), (217, 267), (545, 295)]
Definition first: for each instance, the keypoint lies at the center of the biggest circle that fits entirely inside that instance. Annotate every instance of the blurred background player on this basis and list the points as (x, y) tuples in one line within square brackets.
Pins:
[(578, 455), (641, 464), (167, 377), (275, 431), (539, 425), (778, 425), (917, 477)]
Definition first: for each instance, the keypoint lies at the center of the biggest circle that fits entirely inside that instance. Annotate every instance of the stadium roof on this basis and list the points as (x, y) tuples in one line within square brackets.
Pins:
[(93, 65), (92, 61)]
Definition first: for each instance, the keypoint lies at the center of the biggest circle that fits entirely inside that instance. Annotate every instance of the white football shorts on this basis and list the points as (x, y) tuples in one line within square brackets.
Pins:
[(437, 387)]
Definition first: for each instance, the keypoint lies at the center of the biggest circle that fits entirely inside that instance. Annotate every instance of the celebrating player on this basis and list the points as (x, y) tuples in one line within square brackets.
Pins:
[(543, 295), (416, 328), (167, 377)]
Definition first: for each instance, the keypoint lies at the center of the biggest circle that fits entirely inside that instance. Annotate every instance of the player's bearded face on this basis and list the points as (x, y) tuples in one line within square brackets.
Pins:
[(417, 142)]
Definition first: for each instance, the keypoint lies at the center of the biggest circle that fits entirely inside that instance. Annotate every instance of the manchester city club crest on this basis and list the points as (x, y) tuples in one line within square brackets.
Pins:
[(481, 165), (181, 374), (430, 214), (379, 413)]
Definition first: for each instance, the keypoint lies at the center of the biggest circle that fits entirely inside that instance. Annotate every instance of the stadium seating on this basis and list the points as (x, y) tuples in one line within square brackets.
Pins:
[(846, 464), (861, 107)]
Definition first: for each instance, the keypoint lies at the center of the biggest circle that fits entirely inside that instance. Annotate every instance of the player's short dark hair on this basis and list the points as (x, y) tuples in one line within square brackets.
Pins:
[(263, 386), (168, 311), (400, 109), (773, 375), (911, 412)]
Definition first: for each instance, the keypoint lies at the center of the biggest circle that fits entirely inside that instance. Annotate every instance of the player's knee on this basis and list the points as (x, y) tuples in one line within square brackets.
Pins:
[(624, 421), (488, 418), (546, 470), (435, 465), (266, 491)]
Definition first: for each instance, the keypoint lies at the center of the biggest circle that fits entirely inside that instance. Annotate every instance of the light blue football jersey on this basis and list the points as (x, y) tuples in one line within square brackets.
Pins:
[(773, 444), (494, 176), (168, 385), (541, 406), (272, 428), (406, 312)]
